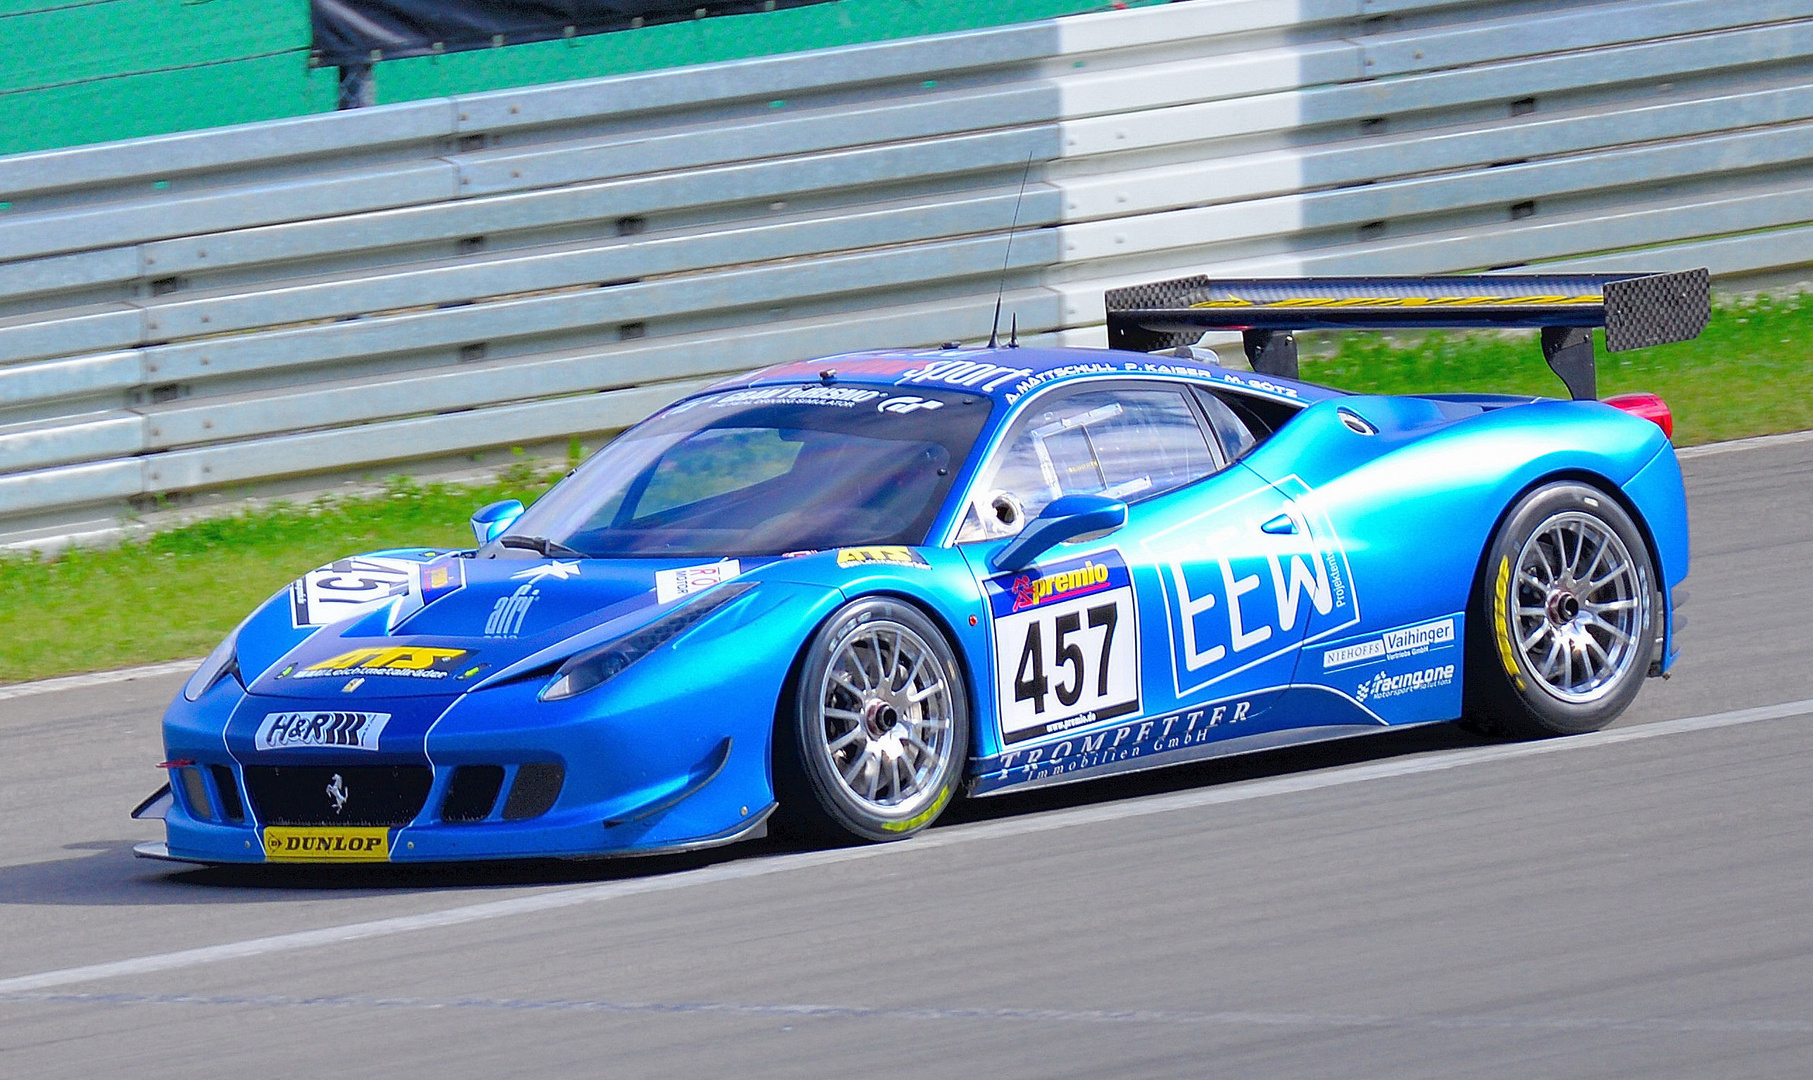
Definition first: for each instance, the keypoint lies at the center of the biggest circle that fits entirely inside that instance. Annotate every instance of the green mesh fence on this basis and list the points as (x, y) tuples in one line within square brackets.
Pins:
[(87, 71)]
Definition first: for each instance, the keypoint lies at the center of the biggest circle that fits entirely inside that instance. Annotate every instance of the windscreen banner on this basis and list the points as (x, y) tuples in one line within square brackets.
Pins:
[(353, 32)]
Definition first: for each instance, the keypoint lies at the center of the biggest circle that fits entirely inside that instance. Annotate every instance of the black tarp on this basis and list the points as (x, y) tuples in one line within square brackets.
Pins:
[(350, 32)]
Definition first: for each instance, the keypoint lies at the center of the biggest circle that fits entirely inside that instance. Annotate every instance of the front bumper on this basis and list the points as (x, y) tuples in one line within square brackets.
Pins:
[(669, 755)]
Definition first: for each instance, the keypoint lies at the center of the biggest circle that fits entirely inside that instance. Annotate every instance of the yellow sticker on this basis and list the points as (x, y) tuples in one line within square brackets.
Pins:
[(412, 661), (1501, 624), (1403, 301), (879, 556), (326, 843), (394, 658), (922, 816)]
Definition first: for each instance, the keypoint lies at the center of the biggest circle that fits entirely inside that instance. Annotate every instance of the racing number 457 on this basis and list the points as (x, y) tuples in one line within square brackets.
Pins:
[(1067, 663), (1030, 680)]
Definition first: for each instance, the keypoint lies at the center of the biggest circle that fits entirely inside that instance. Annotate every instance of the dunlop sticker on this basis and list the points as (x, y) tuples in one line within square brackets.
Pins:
[(328, 843)]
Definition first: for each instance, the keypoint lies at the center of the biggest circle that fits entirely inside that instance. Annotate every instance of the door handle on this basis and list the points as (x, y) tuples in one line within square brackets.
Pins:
[(1282, 525)]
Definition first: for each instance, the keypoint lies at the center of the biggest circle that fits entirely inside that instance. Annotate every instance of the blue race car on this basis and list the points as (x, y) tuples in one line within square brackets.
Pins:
[(836, 595)]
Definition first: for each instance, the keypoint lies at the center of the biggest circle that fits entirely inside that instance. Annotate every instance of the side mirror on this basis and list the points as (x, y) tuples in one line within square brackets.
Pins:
[(490, 522), (1070, 517)]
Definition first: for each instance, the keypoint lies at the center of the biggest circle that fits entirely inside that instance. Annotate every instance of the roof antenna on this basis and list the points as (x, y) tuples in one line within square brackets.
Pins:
[(994, 332)]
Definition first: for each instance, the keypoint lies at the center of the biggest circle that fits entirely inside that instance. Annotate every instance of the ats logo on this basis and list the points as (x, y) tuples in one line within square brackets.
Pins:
[(879, 556), (407, 661), (1031, 591), (335, 729)]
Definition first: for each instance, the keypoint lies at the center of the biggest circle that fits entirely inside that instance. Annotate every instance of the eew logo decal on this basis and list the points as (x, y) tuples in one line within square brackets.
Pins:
[(1238, 594)]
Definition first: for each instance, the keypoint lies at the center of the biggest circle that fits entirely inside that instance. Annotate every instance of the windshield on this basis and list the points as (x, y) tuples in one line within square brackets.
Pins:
[(766, 471)]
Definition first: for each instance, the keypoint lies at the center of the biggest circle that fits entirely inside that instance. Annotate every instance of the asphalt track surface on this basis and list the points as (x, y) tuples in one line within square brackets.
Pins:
[(1417, 904)]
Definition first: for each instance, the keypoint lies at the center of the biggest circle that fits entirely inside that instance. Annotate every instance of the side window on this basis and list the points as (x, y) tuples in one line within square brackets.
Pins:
[(1128, 444), (1258, 415), (1236, 438)]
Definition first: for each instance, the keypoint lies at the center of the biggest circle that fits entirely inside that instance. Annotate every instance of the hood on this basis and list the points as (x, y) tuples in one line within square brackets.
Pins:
[(466, 618)]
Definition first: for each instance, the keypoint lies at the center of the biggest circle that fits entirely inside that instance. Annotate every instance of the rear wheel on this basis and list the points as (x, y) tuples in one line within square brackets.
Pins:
[(1561, 633), (875, 743)]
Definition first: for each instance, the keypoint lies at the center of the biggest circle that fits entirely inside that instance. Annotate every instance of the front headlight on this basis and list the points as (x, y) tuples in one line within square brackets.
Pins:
[(588, 669), (219, 663)]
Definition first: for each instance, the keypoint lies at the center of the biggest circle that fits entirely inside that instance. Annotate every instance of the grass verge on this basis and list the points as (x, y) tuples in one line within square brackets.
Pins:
[(177, 593), (1750, 373)]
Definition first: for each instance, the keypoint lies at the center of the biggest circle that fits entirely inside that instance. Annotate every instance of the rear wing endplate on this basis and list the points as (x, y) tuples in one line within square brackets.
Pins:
[(1636, 310)]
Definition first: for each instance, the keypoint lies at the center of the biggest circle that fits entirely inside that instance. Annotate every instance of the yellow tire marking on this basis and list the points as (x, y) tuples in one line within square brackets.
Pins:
[(922, 816), (1501, 624)]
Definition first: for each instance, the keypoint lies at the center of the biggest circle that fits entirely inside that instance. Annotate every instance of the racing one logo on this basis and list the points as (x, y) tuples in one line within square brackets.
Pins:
[(338, 793)]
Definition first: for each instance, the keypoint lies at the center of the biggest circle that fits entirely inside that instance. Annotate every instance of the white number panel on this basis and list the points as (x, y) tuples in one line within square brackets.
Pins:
[(1066, 646)]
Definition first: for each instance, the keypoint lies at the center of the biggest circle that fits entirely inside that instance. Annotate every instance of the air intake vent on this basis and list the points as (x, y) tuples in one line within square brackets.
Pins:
[(472, 793), (231, 808), (537, 786), (195, 793), (337, 794)]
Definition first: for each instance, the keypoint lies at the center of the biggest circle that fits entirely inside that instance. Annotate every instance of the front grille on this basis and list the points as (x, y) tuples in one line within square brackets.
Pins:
[(337, 794)]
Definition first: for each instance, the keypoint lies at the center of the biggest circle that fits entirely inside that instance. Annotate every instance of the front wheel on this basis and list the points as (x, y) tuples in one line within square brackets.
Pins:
[(874, 746), (1562, 630)]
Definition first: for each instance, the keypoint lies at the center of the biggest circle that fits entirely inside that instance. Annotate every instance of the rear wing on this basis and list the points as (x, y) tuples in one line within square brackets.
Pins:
[(1636, 310)]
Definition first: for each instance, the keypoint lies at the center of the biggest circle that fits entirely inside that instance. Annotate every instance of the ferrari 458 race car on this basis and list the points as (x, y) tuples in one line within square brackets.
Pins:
[(837, 594)]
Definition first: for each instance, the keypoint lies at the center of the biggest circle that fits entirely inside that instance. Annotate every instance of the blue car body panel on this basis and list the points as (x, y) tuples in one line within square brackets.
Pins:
[(1317, 587)]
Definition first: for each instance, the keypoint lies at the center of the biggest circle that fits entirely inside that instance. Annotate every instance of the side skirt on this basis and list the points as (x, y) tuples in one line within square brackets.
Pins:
[(1244, 744)]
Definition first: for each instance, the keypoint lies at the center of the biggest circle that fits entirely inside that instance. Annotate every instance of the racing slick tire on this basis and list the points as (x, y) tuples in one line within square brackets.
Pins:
[(872, 745), (1561, 628)]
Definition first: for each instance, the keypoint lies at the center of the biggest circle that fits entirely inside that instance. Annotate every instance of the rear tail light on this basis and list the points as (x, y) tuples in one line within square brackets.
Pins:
[(1649, 407)]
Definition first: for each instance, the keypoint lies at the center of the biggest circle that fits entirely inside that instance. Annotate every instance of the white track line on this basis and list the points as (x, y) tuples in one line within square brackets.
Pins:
[(937, 838), (1755, 442), (9, 691)]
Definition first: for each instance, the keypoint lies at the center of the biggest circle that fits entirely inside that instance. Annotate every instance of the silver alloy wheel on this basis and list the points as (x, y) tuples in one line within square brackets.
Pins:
[(1579, 607), (886, 718)]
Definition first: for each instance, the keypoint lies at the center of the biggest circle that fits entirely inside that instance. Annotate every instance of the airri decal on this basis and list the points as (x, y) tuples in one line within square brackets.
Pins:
[(507, 615)]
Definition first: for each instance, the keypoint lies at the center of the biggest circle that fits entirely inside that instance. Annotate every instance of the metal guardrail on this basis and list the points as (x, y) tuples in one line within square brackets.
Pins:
[(362, 290)]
